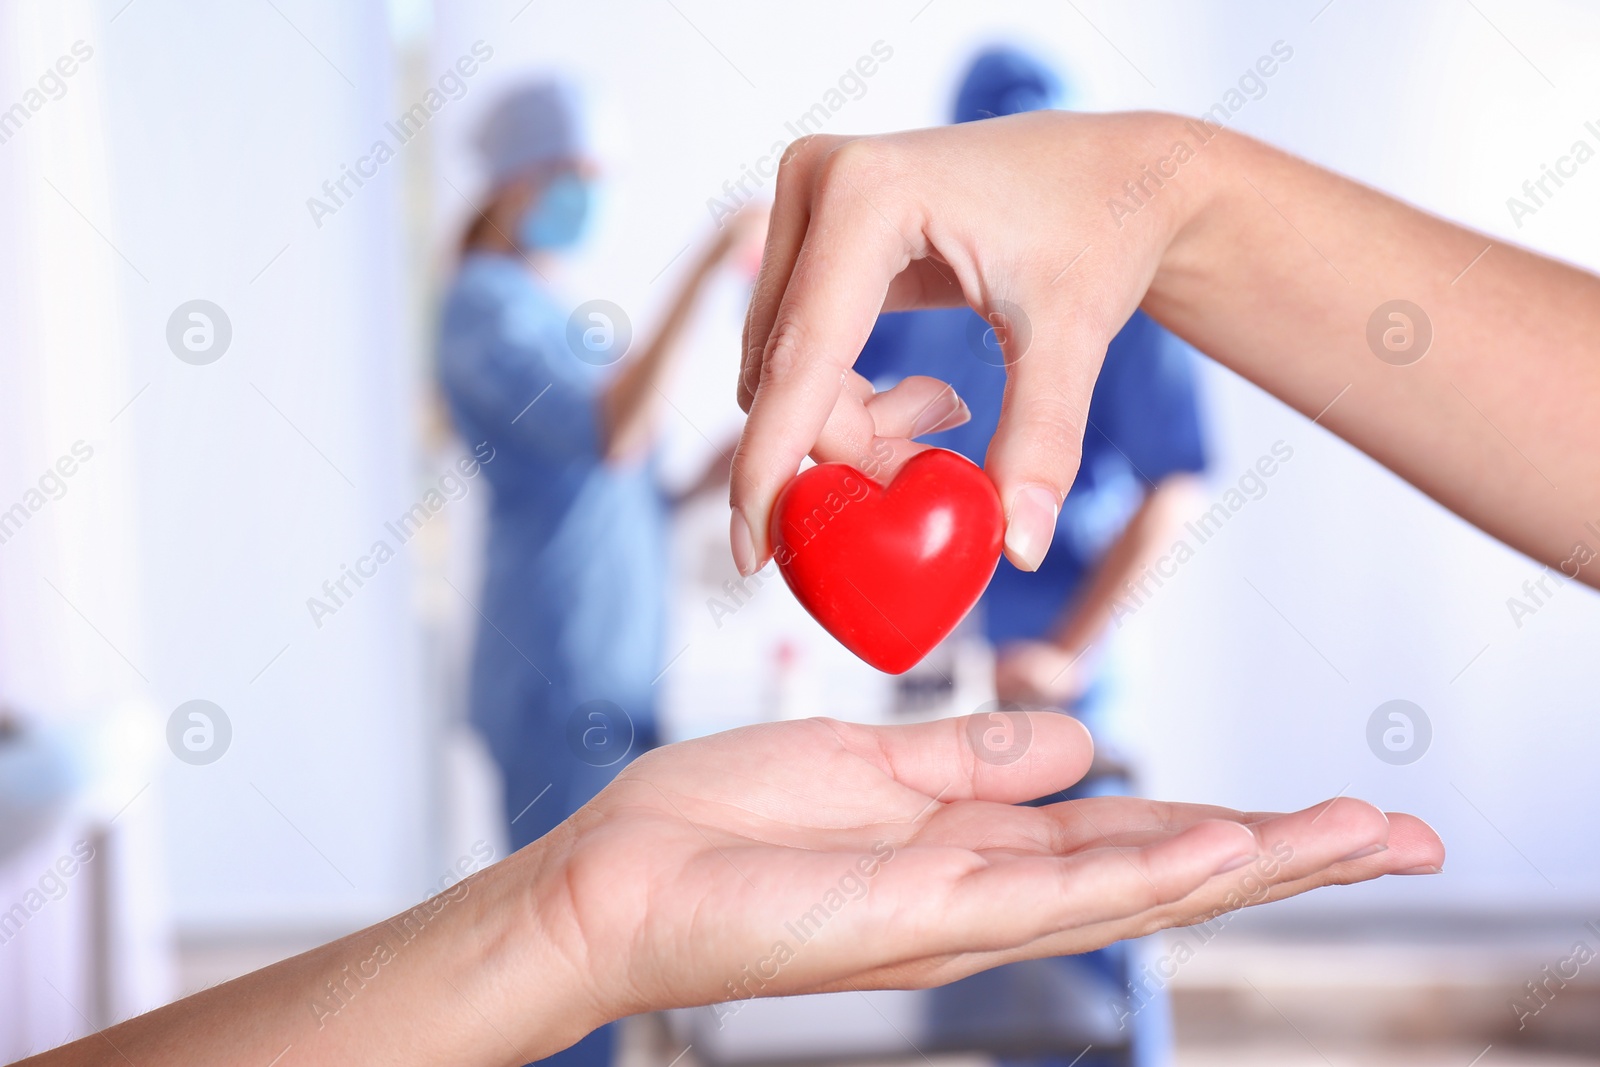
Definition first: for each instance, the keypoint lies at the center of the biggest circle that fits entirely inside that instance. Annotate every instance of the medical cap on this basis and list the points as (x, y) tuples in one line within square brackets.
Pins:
[(1007, 81), (542, 122)]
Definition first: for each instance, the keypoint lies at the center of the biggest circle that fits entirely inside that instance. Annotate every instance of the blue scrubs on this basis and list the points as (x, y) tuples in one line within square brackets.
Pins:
[(1144, 426), (573, 599)]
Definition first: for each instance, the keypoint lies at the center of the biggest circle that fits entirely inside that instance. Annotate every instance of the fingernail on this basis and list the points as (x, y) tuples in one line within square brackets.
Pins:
[(743, 544), (1426, 868), (1363, 853), (1235, 863), (947, 412), (1031, 525)]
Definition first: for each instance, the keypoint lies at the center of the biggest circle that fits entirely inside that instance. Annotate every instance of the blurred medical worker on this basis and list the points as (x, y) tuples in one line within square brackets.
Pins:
[(1141, 450), (573, 599)]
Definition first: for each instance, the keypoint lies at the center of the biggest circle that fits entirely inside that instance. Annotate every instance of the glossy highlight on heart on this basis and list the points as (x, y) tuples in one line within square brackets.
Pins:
[(889, 570)]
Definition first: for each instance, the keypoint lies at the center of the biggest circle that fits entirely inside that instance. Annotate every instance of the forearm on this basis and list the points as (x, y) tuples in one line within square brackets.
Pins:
[(1147, 532), (633, 400), (465, 977), (1275, 272)]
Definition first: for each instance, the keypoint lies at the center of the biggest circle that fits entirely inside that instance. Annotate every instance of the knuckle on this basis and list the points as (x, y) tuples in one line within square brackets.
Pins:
[(863, 165), (782, 358), (799, 149), (797, 159), (1056, 420)]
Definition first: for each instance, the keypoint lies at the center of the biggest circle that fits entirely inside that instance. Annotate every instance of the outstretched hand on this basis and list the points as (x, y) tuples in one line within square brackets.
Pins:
[(817, 855), (793, 857)]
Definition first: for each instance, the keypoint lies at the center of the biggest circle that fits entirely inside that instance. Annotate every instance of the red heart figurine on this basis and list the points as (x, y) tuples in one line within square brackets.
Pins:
[(889, 570)]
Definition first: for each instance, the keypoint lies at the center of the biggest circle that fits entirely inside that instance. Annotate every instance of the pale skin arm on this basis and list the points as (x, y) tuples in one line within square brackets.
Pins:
[(1268, 264), (1057, 670), (674, 886)]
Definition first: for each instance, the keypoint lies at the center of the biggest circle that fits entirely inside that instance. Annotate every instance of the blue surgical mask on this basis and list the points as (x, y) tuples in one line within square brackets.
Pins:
[(560, 217)]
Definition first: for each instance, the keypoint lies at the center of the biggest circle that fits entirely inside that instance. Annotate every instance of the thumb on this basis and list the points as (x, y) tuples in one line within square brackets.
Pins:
[(1053, 354)]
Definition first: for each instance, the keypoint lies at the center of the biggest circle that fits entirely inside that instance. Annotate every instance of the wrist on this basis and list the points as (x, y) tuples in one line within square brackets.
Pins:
[(527, 953), (1208, 182)]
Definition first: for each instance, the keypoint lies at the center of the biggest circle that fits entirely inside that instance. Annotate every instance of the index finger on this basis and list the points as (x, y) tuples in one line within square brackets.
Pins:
[(813, 329)]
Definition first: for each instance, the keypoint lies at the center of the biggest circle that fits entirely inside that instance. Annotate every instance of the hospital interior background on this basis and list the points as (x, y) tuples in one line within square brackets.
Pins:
[(188, 526)]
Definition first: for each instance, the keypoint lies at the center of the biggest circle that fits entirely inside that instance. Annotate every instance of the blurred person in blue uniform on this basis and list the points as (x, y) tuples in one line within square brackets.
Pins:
[(1141, 451), (573, 602)]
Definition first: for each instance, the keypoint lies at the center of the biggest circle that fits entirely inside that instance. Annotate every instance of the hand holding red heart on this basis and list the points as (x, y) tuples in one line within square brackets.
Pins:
[(911, 220)]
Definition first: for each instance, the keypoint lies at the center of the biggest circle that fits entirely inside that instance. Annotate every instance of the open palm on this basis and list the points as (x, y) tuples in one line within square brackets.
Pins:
[(818, 855)]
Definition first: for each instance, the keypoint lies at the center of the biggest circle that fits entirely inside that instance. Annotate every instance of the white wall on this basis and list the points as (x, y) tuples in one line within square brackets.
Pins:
[(254, 478)]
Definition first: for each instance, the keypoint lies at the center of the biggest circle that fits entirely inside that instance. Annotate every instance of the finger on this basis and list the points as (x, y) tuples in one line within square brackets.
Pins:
[(916, 406), (1414, 846), (786, 230), (1009, 757), (1341, 826), (849, 436), (1261, 879), (850, 252), (1053, 350), (872, 432), (1411, 846), (925, 283), (1291, 854), (927, 901), (1036, 897)]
